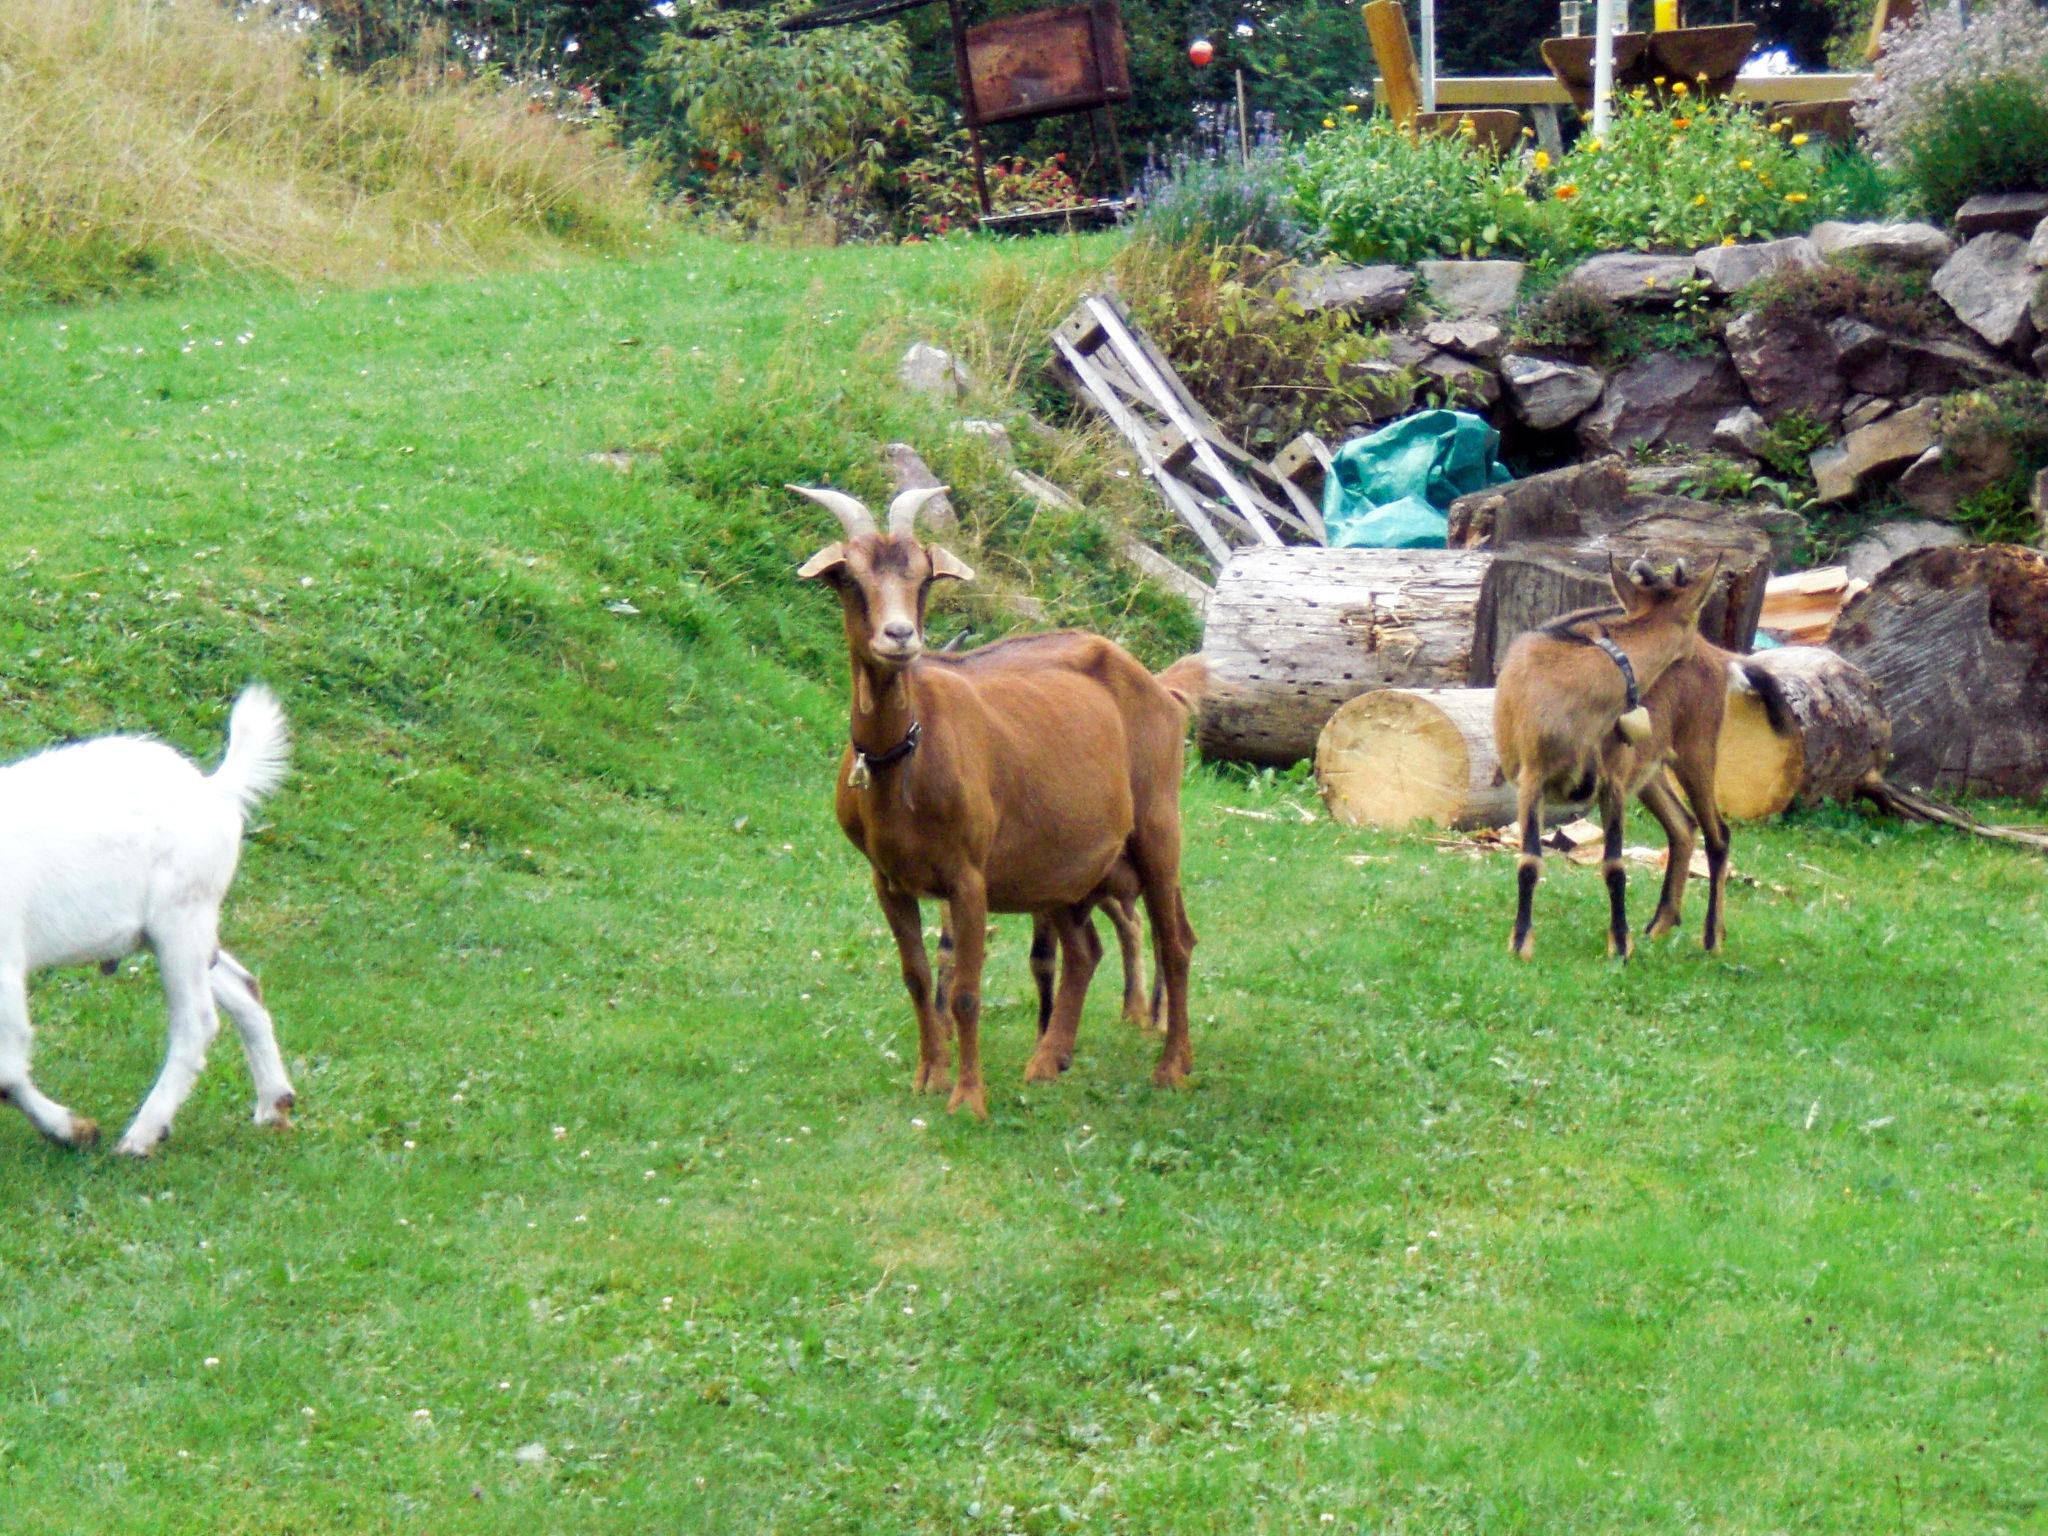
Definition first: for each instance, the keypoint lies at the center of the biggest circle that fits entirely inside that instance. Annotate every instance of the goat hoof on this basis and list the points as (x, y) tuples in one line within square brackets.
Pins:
[(139, 1148), (1620, 949), (1659, 926), (975, 1098), (84, 1132), (932, 1077), (1523, 948), (1169, 1074), (1042, 1068)]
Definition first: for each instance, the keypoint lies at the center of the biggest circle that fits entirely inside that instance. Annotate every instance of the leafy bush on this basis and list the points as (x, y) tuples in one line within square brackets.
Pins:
[(1212, 194), (1573, 319), (1266, 367), (938, 195), (1857, 186), (1788, 443), (1889, 299), (2013, 416), (1373, 194), (1675, 172), (1960, 110)]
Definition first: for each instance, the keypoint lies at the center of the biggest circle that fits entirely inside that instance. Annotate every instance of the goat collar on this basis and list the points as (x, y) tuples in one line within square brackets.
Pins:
[(1619, 657), (858, 776)]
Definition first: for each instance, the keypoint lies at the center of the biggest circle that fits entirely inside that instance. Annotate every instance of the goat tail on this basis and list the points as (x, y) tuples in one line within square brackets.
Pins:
[(1187, 680), (1777, 709), (259, 747)]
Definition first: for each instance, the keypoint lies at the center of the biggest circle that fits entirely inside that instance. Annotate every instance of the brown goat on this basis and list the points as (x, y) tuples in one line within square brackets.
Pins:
[(1566, 725), (1122, 912), (1000, 781)]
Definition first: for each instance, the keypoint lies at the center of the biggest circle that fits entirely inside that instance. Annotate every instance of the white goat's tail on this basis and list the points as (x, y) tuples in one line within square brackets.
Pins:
[(259, 747)]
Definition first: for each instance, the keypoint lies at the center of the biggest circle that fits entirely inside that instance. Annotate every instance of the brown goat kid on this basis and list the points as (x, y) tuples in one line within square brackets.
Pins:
[(1038, 776), (1566, 725)]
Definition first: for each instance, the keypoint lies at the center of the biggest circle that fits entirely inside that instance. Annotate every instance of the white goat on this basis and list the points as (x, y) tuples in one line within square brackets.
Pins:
[(113, 844)]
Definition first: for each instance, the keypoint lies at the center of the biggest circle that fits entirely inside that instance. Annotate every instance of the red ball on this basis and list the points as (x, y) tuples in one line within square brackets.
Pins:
[(1201, 51)]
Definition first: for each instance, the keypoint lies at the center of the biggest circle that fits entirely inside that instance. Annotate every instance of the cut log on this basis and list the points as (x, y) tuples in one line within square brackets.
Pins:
[(1402, 755), (1534, 580), (1293, 633), (1836, 741), (1801, 609), (1957, 639)]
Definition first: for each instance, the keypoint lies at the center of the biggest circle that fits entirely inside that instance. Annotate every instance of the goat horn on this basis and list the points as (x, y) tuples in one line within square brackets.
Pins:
[(1642, 570), (904, 509), (853, 517), (1678, 573)]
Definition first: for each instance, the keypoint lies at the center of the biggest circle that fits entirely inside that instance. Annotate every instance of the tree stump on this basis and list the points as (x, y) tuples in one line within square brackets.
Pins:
[(1838, 737), (1402, 755), (1292, 633), (1957, 640)]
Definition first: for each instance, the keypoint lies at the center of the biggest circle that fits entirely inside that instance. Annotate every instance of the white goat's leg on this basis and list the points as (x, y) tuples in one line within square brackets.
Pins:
[(235, 989), (185, 957), (46, 1114)]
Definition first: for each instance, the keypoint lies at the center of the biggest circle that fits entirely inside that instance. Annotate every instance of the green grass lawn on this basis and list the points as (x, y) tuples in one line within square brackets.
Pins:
[(610, 1209)]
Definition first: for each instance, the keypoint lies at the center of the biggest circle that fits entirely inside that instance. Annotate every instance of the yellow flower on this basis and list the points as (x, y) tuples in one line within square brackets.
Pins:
[(1680, 88), (1745, 165), (1795, 197), (1649, 282), (1542, 159), (1658, 78), (1567, 192), (1780, 126), (1798, 138), (1593, 146), (1701, 77), (1528, 133), (1329, 122), (1700, 201), (1727, 239)]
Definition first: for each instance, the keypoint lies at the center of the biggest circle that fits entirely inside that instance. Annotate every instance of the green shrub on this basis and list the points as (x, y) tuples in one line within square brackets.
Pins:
[(1889, 299), (1959, 110), (2013, 416), (1266, 367), (1573, 319), (1371, 193), (1855, 185), (1675, 172), (1788, 444)]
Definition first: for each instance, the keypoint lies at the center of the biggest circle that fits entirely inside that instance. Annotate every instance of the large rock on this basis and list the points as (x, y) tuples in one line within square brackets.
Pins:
[(1629, 278), (1730, 268), (2013, 213), (1471, 290), (1561, 503), (931, 370), (1364, 293), (1891, 245), (1908, 367), (1663, 399), (1888, 541), (1856, 341), (1840, 469), (1480, 339), (1787, 364), (1546, 394), (1937, 482), (1862, 410), (1989, 284), (2037, 248), (1740, 432), (1462, 382)]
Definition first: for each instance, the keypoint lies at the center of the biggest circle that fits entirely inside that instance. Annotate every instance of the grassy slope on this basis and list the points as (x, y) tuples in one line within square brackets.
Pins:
[(606, 1142)]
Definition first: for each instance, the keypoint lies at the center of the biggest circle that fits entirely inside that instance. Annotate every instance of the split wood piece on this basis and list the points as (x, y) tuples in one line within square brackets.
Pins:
[(1402, 755), (1957, 639), (1908, 806), (1284, 500), (1293, 633), (1801, 608), (1837, 737)]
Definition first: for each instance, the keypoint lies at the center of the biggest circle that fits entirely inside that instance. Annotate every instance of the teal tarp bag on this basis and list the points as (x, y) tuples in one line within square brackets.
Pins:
[(1392, 490)]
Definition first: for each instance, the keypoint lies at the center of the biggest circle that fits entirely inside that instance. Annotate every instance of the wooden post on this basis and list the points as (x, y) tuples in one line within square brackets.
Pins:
[(1386, 27), (969, 109), (1603, 64)]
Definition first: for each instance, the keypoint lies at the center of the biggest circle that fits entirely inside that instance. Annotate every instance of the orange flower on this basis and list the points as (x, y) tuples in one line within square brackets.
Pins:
[(1681, 122), (1567, 192)]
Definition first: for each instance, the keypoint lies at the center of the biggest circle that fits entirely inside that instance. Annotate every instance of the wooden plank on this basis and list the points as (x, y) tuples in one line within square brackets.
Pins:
[(1543, 90), (1138, 435), (1173, 450), (1241, 496), (1165, 572), (1386, 28)]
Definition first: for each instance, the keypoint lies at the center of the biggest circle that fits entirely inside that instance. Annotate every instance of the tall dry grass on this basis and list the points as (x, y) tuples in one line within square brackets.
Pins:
[(144, 139)]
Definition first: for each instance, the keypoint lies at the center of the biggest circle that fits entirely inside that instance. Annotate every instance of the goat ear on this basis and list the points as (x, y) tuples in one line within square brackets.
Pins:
[(826, 561), (947, 566), (1626, 591), (1699, 588)]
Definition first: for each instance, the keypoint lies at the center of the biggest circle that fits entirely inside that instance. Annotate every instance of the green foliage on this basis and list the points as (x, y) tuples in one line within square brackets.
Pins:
[(1266, 367), (1572, 319), (2006, 420), (1788, 444), (937, 193), (1884, 296), (1676, 172), (1857, 187), (1987, 135), (813, 112), (1371, 193)]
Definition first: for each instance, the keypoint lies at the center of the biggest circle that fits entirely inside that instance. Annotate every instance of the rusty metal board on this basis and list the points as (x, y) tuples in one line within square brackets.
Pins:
[(1041, 63)]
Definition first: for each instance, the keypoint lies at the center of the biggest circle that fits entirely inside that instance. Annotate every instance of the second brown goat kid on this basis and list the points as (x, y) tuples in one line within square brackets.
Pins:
[(1569, 722), (1039, 775)]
